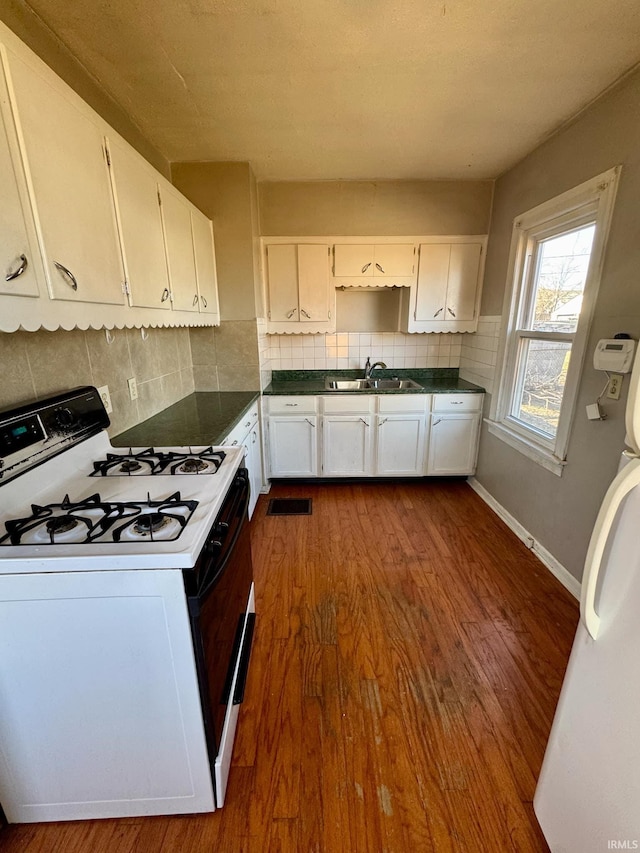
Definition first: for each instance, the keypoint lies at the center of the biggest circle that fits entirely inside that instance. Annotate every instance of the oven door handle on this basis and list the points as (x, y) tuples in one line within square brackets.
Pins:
[(241, 510)]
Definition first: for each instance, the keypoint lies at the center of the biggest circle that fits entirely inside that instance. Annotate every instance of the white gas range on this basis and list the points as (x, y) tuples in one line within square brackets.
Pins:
[(126, 598)]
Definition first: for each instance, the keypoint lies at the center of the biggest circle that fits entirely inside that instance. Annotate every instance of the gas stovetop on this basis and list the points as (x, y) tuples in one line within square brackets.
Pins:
[(67, 495)]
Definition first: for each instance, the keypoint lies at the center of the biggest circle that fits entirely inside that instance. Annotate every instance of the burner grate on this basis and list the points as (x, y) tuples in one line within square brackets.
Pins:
[(289, 506)]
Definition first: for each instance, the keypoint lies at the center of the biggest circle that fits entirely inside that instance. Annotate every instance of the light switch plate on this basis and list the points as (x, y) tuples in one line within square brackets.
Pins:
[(133, 388)]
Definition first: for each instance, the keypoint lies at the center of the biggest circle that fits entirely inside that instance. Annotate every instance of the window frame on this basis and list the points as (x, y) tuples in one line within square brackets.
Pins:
[(590, 202)]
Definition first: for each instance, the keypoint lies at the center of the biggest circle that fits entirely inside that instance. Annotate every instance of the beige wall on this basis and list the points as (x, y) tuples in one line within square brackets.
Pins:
[(560, 512), (22, 20), (375, 208), (226, 358), (39, 364)]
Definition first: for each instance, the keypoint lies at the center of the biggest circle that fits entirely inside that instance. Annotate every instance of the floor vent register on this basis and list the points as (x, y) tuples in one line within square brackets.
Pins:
[(289, 506)]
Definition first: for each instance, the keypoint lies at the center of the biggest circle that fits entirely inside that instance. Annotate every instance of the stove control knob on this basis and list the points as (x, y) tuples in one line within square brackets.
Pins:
[(221, 528), (64, 418)]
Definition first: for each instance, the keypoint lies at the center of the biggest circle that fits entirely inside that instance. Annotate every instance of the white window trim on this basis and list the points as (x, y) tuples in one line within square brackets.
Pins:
[(599, 194)]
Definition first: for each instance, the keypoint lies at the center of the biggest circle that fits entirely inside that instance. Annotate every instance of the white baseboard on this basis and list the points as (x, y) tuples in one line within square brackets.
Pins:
[(546, 557)]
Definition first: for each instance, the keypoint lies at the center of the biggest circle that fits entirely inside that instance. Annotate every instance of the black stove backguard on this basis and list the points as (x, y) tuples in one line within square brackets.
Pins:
[(34, 433)]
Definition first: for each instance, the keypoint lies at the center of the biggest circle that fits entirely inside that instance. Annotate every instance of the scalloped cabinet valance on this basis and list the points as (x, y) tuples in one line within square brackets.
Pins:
[(91, 234)]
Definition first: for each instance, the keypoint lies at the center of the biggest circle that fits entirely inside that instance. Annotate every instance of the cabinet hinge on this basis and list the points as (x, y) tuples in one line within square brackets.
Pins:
[(125, 288), (268, 315)]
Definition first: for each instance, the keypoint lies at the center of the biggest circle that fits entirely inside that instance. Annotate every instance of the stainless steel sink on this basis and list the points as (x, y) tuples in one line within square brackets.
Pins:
[(371, 385)]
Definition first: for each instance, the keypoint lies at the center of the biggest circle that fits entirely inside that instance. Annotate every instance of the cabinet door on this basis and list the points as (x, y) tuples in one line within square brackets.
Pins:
[(67, 171), (356, 260), (19, 250), (431, 291), (282, 272), (205, 260), (462, 282), (253, 461), (400, 450), (176, 218), (453, 444), (346, 446), (135, 190), (313, 283), (293, 446), (394, 260)]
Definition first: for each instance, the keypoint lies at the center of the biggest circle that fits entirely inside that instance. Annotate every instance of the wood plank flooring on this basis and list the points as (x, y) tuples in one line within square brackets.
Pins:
[(408, 656)]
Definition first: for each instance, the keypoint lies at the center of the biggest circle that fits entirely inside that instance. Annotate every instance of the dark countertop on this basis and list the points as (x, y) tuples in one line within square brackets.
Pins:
[(201, 418), (433, 380)]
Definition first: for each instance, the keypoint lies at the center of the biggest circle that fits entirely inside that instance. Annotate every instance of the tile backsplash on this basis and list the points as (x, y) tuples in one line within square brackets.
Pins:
[(351, 349), (480, 351), (39, 364)]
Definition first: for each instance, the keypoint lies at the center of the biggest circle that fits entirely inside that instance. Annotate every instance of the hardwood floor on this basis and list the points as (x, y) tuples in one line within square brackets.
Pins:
[(408, 656)]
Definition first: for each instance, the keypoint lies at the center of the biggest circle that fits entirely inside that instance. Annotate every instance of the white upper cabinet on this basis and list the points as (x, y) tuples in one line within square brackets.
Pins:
[(176, 218), (66, 169), (373, 264), (300, 297), (20, 260), (135, 187), (446, 297), (81, 227), (205, 259)]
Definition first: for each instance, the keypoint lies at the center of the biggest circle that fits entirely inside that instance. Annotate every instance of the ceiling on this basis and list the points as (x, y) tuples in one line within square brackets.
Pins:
[(350, 89)]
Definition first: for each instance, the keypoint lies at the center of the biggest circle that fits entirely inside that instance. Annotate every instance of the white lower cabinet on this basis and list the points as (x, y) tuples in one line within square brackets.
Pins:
[(247, 433), (374, 435), (454, 433)]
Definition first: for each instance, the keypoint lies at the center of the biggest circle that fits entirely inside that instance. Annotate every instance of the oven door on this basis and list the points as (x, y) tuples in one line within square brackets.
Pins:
[(221, 625)]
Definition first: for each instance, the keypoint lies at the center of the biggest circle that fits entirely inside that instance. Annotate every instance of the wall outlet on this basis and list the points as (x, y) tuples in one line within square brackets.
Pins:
[(615, 386), (106, 398), (133, 388)]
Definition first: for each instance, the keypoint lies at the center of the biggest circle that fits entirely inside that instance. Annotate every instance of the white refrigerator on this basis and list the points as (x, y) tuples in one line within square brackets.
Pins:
[(588, 794)]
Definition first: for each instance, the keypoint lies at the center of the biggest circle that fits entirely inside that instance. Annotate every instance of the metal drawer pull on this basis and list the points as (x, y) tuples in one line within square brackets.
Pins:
[(455, 402), (366, 267), (233, 443), (291, 313), (253, 438), (195, 300), (73, 284), (291, 404), (23, 265), (453, 314), (439, 311), (364, 422), (204, 301), (435, 423), (248, 424), (165, 295), (311, 423), (380, 268), (308, 316), (383, 421)]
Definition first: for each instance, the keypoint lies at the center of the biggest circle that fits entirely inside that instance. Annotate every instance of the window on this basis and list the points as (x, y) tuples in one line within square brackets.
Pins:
[(557, 251)]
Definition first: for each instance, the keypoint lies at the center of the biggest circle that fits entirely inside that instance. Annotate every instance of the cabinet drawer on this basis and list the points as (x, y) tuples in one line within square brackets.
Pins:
[(402, 402), (457, 402), (353, 404), (247, 422), (300, 405)]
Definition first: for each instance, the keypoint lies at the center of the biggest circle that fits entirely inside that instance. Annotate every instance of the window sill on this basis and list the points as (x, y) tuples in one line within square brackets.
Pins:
[(527, 447)]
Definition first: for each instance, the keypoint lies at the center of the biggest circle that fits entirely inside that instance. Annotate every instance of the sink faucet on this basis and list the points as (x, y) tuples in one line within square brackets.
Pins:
[(369, 368)]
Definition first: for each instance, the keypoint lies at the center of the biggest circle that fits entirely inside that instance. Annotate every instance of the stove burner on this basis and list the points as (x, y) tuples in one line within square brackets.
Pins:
[(61, 524), (165, 462), (191, 465), (99, 522), (150, 523)]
